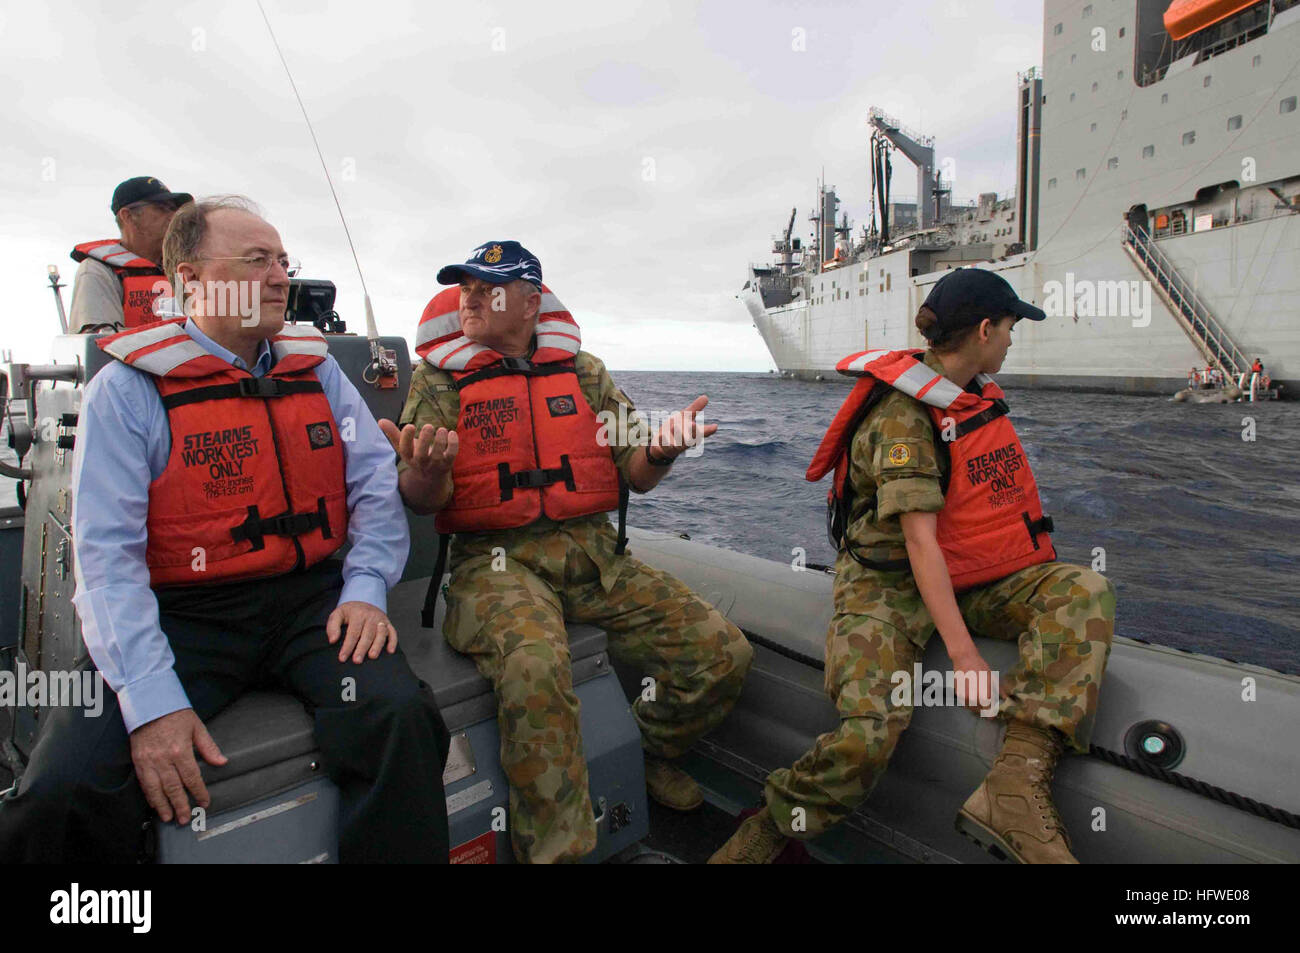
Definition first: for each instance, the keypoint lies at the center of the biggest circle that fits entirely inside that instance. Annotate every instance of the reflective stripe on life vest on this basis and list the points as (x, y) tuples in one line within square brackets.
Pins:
[(440, 342)]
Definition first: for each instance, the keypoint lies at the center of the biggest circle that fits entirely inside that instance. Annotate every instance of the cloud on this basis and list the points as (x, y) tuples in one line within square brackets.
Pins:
[(646, 151)]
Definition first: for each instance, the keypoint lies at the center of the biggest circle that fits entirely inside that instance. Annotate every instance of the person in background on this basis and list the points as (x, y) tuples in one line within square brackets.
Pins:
[(222, 461), (119, 279)]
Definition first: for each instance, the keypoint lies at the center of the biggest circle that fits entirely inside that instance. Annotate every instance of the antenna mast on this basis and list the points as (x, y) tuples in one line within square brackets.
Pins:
[(383, 363)]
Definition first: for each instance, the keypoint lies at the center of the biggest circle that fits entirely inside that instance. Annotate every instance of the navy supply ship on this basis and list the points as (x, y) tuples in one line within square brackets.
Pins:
[(1154, 215)]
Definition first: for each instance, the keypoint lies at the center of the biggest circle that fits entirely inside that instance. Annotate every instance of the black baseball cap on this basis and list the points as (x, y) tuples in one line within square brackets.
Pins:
[(497, 262), (966, 296), (145, 188)]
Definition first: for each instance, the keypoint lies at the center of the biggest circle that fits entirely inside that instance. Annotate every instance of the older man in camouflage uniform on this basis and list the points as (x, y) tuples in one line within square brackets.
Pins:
[(1063, 617), (511, 591)]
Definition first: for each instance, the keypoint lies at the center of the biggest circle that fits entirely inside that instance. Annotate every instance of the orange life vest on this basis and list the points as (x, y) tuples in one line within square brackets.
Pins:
[(529, 441), (992, 521), (143, 282), (254, 485)]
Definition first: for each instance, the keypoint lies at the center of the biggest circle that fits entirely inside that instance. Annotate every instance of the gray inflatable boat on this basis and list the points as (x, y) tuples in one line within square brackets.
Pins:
[(1195, 759)]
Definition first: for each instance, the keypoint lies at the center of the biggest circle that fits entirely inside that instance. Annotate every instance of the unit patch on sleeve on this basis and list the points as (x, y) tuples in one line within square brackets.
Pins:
[(320, 435), (562, 406), (899, 455)]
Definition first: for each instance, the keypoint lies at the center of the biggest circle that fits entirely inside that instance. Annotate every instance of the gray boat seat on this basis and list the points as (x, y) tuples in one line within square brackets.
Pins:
[(267, 736)]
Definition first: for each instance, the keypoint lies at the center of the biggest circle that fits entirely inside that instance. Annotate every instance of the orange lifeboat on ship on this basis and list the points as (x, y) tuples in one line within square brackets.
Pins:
[(1185, 17)]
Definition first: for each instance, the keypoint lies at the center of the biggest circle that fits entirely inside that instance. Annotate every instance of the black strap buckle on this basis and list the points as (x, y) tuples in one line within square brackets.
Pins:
[(517, 363), (260, 387), (291, 524), (533, 479), (255, 526)]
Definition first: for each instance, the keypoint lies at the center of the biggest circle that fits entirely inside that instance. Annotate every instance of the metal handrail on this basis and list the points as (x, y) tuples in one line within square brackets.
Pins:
[(1221, 348)]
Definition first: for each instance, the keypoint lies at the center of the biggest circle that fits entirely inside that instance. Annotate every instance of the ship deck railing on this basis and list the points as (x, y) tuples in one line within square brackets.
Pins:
[(1191, 311)]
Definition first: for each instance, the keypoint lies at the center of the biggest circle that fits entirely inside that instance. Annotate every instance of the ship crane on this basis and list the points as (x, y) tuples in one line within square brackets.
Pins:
[(784, 248), (920, 150)]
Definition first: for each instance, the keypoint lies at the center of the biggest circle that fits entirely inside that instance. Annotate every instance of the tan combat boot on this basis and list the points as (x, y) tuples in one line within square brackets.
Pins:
[(756, 841), (671, 786), (1011, 815)]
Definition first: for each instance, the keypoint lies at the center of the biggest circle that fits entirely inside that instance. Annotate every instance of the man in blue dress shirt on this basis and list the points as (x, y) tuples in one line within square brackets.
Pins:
[(178, 640)]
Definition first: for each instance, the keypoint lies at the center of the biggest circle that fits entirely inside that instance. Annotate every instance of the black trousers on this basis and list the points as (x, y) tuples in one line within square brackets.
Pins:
[(79, 799)]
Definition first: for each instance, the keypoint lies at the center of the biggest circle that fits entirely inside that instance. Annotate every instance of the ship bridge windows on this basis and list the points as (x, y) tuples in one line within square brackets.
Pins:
[(1287, 105), (1094, 87), (1148, 151), (1254, 61), (1206, 81), (1051, 183), (1189, 138), (1164, 98), (1093, 127), (1056, 30), (1234, 122), (1112, 162), (1080, 173), (1087, 12), (1072, 97)]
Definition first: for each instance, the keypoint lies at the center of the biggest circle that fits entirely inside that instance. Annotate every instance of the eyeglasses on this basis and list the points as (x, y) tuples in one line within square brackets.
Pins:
[(263, 263)]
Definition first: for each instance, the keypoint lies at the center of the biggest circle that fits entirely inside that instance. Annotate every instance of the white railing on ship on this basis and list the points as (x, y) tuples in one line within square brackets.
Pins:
[(1221, 347)]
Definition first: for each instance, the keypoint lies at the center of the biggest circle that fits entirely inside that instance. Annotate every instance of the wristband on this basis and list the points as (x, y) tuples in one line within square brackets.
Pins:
[(654, 461)]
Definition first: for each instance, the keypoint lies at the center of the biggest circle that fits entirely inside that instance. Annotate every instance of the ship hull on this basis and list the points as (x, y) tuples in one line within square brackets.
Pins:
[(1112, 151)]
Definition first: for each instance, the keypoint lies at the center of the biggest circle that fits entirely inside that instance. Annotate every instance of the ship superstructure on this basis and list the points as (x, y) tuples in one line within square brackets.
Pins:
[(1154, 216)]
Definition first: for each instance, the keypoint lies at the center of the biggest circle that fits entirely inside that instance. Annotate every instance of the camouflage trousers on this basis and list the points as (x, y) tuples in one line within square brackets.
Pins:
[(1063, 617), (511, 622)]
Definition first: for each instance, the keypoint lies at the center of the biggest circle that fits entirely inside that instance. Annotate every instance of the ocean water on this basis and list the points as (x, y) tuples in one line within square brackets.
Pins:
[(1200, 528)]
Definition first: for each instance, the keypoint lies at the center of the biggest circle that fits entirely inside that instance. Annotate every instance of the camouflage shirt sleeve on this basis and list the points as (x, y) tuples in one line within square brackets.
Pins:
[(432, 400), (894, 458), (604, 396)]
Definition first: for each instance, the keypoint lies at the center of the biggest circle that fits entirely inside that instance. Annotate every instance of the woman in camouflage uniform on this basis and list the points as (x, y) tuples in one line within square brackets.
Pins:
[(1062, 616)]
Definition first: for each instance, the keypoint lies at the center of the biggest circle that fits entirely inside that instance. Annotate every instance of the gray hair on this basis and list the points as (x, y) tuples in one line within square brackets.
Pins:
[(189, 226)]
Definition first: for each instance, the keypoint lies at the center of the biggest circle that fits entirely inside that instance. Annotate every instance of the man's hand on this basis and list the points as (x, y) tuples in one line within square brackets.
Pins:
[(680, 431), (430, 454), (163, 752), (368, 631), (425, 483)]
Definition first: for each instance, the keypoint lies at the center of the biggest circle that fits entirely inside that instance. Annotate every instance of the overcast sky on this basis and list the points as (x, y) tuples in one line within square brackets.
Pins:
[(644, 151)]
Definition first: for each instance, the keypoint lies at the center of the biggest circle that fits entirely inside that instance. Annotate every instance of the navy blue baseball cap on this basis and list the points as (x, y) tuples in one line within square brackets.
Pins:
[(145, 188), (967, 296), (497, 262)]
